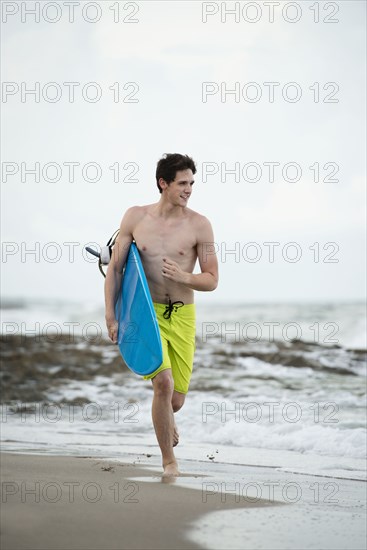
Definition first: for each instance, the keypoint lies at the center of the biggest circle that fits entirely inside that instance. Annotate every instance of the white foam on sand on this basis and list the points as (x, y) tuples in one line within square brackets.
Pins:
[(293, 511), (106, 438), (280, 528)]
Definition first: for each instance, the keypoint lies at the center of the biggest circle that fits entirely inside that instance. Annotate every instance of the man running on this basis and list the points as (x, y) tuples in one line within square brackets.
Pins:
[(170, 238)]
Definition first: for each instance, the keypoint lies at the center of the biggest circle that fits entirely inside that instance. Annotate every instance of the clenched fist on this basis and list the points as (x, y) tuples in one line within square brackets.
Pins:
[(171, 270)]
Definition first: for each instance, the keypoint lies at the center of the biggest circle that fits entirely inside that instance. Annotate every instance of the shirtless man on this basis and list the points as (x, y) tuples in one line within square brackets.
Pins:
[(170, 238)]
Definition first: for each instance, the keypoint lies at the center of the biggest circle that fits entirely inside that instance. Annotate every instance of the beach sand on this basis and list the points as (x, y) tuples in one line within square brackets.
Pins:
[(70, 502)]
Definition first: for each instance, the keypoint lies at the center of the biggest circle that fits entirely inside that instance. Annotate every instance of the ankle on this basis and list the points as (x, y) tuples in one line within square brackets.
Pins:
[(168, 462)]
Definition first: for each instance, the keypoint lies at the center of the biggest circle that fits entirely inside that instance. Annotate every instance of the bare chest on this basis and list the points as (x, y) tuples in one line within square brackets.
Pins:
[(158, 238)]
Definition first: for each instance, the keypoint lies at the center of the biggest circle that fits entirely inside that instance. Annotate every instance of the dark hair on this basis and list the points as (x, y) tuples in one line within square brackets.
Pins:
[(171, 163)]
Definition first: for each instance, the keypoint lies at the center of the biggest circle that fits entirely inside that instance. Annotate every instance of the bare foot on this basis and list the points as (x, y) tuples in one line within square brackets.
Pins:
[(176, 437), (170, 469)]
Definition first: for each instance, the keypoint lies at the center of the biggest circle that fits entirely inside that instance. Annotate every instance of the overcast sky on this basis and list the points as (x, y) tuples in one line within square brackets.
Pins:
[(174, 73)]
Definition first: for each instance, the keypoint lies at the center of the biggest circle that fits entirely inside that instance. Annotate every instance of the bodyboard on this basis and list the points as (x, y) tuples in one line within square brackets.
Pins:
[(138, 337)]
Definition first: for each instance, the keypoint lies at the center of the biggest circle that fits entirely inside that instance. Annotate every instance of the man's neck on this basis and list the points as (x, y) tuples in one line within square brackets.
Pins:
[(166, 210)]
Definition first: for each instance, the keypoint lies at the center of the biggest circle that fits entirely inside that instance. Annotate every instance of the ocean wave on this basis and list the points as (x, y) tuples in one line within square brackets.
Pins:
[(32, 365), (295, 353)]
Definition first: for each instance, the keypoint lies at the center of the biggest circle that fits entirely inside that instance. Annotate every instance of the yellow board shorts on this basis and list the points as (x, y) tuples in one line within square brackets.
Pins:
[(178, 343)]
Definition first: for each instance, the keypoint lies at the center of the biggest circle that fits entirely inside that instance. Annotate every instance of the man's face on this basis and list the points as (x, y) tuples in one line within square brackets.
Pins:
[(180, 189)]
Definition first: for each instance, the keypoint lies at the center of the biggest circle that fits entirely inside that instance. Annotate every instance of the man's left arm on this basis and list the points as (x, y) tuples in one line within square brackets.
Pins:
[(207, 280)]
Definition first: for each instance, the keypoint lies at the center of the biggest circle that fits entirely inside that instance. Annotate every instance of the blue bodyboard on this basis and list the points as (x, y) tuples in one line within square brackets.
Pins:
[(138, 337)]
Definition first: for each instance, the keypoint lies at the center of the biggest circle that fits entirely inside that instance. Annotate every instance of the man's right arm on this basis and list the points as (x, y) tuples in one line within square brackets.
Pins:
[(115, 269)]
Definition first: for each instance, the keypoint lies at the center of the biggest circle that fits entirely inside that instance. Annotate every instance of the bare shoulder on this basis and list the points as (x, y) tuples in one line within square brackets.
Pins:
[(131, 218), (199, 221), (134, 214)]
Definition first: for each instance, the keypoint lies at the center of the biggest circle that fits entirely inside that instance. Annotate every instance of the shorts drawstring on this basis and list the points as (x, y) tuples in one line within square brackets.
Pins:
[(172, 306)]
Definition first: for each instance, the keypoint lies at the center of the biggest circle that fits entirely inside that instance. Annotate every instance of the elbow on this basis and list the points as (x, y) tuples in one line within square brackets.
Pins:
[(214, 284)]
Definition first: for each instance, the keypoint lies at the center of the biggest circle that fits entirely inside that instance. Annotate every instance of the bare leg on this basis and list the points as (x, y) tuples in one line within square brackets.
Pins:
[(162, 414), (176, 435), (178, 400)]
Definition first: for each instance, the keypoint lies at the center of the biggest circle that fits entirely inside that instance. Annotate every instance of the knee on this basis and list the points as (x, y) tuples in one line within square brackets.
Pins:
[(163, 384)]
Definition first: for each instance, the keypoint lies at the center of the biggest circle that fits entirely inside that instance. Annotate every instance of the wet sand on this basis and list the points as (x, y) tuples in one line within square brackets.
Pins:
[(70, 502), (64, 502)]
